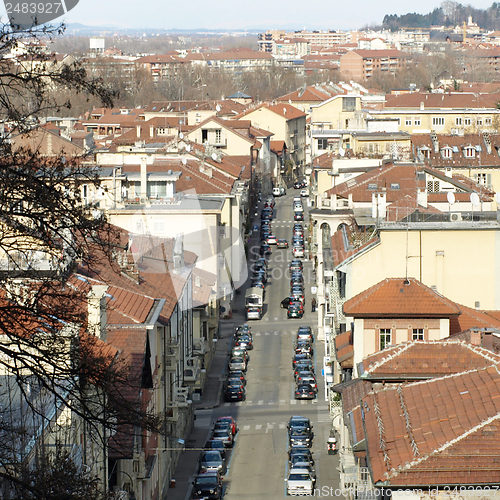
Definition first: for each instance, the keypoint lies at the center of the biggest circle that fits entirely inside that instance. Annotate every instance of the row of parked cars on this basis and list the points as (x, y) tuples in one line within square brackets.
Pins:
[(306, 386), (235, 386), (212, 463), (301, 477)]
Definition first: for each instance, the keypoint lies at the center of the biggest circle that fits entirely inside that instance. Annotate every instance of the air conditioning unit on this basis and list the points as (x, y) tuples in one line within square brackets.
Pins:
[(181, 396), (455, 216)]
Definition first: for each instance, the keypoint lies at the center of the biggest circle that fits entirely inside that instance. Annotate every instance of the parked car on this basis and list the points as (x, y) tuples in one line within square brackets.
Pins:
[(285, 302), (305, 391), (207, 486), (238, 350), (302, 450), (299, 482), (310, 380), (299, 358), (298, 216), (237, 374), (225, 435), (305, 333), (231, 421), (271, 239), (244, 341), (295, 309), (304, 192), (299, 462), (212, 461), (298, 251), (299, 437), (305, 366), (216, 445), (237, 363), (281, 243), (298, 421), (296, 264)]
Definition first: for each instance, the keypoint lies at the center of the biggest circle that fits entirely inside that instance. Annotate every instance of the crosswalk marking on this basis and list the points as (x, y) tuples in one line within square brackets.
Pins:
[(282, 425), (266, 334), (246, 427), (260, 402), (282, 401), (293, 401), (258, 427)]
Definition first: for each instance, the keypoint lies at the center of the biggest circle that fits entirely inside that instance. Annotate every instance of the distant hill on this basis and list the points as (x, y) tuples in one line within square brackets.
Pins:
[(449, 14)]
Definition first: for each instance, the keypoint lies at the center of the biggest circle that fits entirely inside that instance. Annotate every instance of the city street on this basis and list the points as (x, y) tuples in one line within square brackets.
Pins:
[(258, 463)]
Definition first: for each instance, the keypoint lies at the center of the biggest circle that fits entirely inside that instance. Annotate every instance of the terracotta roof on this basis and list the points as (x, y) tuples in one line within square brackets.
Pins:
[(400, 297), (378, 54), (283, 109), (344, 349), (473, 318), (310, 93), (425, 359), (444, 431), (277, 146), (458, 100)]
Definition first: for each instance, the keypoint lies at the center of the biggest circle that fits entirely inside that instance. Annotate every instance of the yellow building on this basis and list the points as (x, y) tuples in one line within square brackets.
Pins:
[(459, 112)]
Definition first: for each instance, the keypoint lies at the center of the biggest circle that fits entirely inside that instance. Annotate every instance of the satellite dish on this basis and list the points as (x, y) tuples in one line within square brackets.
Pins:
[(188, 147), (341, 151), (450, 197), (218, 108), (497, 197), (214, 157), (184, 161), (181, 136), (474, 199)]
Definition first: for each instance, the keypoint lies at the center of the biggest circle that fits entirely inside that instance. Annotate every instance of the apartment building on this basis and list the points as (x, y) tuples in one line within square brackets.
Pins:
[(446, 113), (361, 64)]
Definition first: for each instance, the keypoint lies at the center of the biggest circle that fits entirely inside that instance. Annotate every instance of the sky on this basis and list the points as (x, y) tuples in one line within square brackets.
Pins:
[(248, 14)]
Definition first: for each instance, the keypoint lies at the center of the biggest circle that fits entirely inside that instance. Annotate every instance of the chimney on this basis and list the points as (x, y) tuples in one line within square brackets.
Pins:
[(475, 337), (144, 178), (96, 315), (178, 253), (422, 106), (138, 130), (151, 131), (422, 197)]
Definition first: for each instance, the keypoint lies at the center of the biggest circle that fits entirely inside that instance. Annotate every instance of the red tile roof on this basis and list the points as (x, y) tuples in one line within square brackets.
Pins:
[(458, 100), (344, 349), (444, 431), (283, 109), (310, 93), (400, 297), (425, 359)]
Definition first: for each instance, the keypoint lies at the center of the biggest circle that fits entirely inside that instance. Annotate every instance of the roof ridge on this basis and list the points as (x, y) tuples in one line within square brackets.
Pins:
[(481, 351), (445, 446), (390, 357)]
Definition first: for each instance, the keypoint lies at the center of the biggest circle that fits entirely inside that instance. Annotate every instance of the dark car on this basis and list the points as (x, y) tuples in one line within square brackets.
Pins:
[(296, 264), (301, 450), (303, 374), (300, 457), (299, 438), (305, 333), (300, 358), (295, 309), (282, 243), (264, 249), (298, 422), (257, 283), (304, 346), (303, 366), (216, 445), (234, 393), (298, 216), (305, 391), (296, 279), (285, 302), (244, 341), (245, 328), (212, 461), (207, 485), (237, 375)]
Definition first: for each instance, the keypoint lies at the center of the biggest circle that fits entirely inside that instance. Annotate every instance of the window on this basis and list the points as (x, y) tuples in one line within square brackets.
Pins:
[(469, 152), (157, 189), (218, 138), (395, 185), (458, 121), (425, 152), (479, 121), (438, 121), (467, 121), (372, 187), (417, 122), (433, 186), (408, 121), (348, 104), (446, 152), (322, 143), (204, 135), (487, 121), (418, 334), (385, 337), (481, 179)]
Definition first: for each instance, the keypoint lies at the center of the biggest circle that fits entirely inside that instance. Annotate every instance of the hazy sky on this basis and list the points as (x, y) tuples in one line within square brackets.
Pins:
[(234, 14)]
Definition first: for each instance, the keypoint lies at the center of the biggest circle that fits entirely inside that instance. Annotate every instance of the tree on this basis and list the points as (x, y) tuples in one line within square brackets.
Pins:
[(45, 353)]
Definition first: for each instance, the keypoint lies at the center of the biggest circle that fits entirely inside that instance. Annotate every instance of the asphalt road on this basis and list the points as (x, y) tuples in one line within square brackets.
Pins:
[(258, 462)]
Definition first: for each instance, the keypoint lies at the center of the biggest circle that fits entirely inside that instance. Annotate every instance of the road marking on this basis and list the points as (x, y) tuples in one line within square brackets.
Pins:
[(293, 401), (261, 402), (282, 425), (271, 403), (258, 427), (282, 401), (276, 333), (246, 427), (267, 333)]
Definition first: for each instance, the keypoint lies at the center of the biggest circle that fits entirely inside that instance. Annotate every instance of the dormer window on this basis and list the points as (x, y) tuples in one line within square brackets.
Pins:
[(469, 152), (425, 152), (446, 153)]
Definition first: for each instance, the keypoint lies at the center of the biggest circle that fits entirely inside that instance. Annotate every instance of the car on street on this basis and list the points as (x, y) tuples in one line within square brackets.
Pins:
[(296, 265), (298, 462), (299, 422), (303, 346), (295, 309), (245, 328), (304, 192), (300, 450), (234, 393), (212, 461), (237, 374), (207, 486), (264, 249), (299, 482), (304, 366), (225, 435), (237, 363), (285, 302), (244, 342), (271, 239), (305, 333), (298, 251), (297, 185), (308, 379), (299, 358), (299, 437), (240, 351), (305, 391), (216, 445), (298, 216), (281, 243), (257, 283), (231, 421)]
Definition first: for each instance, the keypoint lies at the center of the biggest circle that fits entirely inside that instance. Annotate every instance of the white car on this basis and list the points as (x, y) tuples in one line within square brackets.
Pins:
[(304, 192), (297, 207), (299, 482), (298, 251)]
